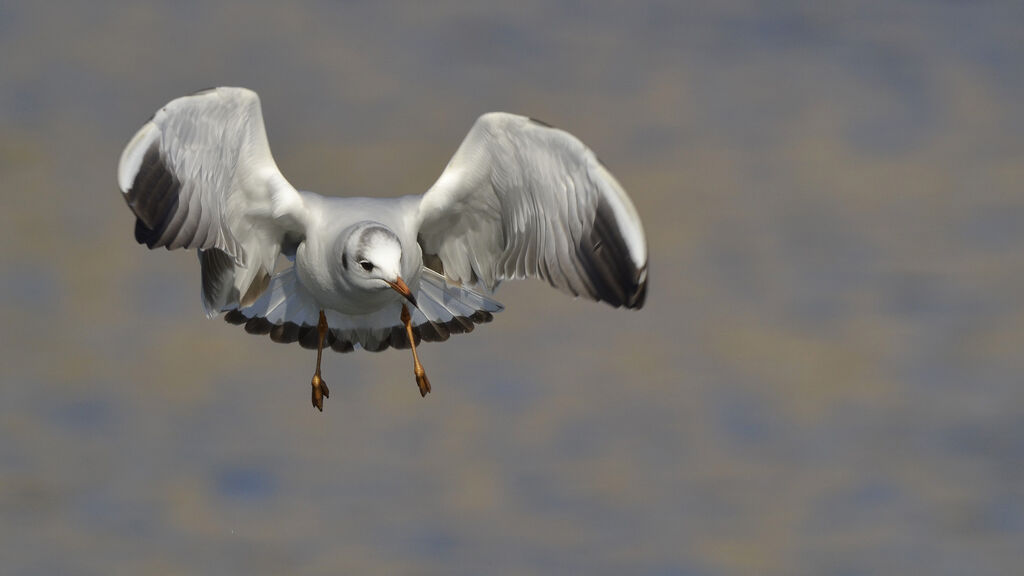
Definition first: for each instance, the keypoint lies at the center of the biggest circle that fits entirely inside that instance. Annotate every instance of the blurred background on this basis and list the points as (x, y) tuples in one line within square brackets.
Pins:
[(826, 379)]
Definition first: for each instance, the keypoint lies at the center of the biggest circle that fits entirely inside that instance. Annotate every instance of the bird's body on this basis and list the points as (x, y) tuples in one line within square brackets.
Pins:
[(336, 221), (518, 199)]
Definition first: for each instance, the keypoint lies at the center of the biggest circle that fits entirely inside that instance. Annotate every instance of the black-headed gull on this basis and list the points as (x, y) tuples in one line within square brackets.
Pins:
[(519, 199)]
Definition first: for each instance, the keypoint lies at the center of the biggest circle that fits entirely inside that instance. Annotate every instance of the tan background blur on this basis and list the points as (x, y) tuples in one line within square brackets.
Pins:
[(827, 378)]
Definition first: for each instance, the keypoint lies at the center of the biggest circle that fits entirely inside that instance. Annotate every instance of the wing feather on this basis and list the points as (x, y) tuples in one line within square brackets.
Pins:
[(200, 175), (522, 199)]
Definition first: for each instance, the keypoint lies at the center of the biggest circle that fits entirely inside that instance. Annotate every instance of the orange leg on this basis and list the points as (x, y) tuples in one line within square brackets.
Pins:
[(417, 368), (320, 390)]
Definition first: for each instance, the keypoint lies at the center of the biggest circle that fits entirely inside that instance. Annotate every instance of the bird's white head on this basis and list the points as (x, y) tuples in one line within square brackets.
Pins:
[(372, 259)]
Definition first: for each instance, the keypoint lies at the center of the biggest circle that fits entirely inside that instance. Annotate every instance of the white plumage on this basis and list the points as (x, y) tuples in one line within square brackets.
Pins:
[(518, 199)]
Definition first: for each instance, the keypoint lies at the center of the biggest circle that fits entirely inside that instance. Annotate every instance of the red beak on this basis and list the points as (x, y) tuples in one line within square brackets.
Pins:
[(399, 286)]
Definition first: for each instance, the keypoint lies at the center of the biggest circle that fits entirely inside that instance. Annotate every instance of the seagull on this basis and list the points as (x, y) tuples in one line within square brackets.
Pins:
[(519, 199)]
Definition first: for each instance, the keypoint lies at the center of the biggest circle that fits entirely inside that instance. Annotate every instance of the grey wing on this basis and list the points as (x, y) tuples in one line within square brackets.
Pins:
[(200, 175), (522, 199)]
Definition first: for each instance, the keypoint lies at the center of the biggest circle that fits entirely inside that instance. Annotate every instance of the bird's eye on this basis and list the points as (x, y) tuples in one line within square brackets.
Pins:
[(366, 265)]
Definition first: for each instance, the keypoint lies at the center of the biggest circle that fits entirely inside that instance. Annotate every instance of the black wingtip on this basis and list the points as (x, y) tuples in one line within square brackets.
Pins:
[(614, 276), (153, 197), (639, 293)]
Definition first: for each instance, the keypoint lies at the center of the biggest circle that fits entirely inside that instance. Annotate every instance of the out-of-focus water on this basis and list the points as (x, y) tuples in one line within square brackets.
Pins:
[(826, 379)]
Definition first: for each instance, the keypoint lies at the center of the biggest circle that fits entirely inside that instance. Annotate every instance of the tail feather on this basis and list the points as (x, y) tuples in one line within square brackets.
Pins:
[(288, 313)]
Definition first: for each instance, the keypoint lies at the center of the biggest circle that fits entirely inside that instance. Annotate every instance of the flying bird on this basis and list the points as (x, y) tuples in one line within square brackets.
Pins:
[(518, 199)]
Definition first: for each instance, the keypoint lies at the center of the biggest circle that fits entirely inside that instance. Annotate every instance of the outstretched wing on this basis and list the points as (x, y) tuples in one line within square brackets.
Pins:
[(522, 199), (200, 175)]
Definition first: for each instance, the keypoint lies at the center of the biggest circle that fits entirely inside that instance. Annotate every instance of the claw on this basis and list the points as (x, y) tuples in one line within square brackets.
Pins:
[(423, 382), (320, 392)]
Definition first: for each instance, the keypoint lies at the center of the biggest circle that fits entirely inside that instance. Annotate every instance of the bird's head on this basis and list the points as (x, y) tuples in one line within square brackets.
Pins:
[(372, 259)]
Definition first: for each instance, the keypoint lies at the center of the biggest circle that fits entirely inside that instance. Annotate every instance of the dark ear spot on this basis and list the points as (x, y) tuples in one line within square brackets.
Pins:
[(344, 260)]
